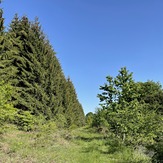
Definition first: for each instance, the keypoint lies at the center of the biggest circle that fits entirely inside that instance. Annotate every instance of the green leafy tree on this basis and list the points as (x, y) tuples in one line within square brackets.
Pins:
[(129, 119), (151, 93), (100, 121)]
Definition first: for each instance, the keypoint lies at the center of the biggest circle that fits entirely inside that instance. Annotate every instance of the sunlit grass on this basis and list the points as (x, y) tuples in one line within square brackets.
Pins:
[(81, 145)]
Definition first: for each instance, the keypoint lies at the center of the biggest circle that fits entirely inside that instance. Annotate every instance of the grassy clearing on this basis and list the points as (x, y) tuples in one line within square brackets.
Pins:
[(81, 145)]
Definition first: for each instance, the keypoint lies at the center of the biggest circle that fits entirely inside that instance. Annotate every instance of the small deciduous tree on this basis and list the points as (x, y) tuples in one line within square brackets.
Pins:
[(127, 118)]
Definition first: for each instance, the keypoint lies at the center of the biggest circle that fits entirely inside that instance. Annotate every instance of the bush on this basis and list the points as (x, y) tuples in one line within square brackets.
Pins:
[(25, 120), (157, 148), (60, 120), (48, 127), (7, 111)]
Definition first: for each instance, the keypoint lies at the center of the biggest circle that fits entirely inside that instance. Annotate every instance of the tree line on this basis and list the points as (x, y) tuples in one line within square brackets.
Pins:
[(29, 65)]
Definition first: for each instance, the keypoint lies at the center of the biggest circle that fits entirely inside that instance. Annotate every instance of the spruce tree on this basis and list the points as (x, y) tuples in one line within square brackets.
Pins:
[(73, 109), (29, 63), (7, 51), (28, 76), (53, 81)]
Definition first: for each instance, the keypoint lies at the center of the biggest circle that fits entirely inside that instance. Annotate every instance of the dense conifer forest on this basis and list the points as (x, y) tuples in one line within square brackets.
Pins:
[(40, 110), (29, 64)]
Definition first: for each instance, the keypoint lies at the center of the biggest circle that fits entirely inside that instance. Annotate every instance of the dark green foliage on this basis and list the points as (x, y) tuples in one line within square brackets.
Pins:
[(7, 111), (28, 62), (151, 93), (158, 149), (28, 79), (100, 122), (73, 109)]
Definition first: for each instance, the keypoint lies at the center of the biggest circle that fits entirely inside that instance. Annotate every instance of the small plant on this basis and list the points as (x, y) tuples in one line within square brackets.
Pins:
[(48, 127), (25, 120)]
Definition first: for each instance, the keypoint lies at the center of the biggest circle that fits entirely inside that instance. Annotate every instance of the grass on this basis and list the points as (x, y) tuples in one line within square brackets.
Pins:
[(81, 145)]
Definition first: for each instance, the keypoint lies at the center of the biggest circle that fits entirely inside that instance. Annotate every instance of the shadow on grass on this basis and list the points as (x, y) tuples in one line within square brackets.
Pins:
[(102, 146), (99, 143), (89, 139)]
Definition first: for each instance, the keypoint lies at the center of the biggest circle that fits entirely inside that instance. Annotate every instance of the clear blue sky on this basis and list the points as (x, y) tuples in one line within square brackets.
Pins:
[(95, 38)]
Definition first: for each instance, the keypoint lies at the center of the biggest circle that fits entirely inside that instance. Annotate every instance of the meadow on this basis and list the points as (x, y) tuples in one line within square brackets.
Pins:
[(52, 145)]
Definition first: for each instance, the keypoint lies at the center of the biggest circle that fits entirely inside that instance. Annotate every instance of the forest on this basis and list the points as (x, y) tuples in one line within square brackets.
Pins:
[(42, 120)]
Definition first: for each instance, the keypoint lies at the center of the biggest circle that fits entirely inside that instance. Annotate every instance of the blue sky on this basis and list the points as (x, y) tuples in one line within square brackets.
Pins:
[(95, 38)]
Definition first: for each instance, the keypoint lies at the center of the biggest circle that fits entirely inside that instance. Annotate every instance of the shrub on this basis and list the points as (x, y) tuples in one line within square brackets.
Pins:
[(25, 120), (7, 111), (60, 120)]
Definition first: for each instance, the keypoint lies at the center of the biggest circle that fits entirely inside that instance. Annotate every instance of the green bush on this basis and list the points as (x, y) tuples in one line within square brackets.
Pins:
[(48, 127), (60, 120), (25, 120), (7, 111)]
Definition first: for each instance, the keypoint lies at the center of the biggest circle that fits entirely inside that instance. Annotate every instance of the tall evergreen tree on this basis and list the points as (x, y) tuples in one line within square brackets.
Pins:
[(73, 109), (54, 79), (29, 63), (28, 77), (7, 51)]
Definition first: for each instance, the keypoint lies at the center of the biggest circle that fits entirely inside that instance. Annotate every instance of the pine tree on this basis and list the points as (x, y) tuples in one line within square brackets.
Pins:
[(29, 63), (28, 77), (7, 51), (73, 109), (7, 111)]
